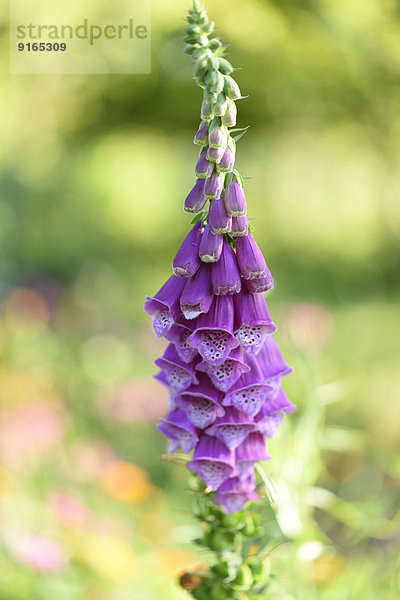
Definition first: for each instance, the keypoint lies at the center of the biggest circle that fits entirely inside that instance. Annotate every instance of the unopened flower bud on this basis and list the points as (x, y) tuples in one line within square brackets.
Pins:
[(206, 111), (187, 261), (251, 261), (225, 66), (215, 154), (235, 200), (229, 118), (217, 134), (196, 199), (201, 136), (240, 226), (227, 161), (213, 185), (204, 168), (211, 244), (220, 106), (219, 220), (231, 88)]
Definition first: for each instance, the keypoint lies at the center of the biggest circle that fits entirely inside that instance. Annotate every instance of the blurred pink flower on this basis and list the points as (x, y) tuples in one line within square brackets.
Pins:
[(70, 510), (87, 458), (137, 400), (29, 430), (310, 326), (38, 552)]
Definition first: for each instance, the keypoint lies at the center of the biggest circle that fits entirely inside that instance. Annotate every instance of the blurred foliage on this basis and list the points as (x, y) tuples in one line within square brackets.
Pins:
[(93, 175)]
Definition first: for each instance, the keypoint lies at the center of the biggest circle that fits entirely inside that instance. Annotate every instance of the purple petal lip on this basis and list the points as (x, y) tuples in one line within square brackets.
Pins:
[(233, 428), (166, 298), (275, 401), (257, 286), (204, 168), (213, 336), (269, 425), (213, 462), (252, 321), (178, 374), (187, 261), (240, 227), (181, 432), (271, 360), (219, 220), (197, 295), (224, 376), (211, 245), (178, 335), (251, 262), (251, 450), (235, 492), (196, 199), (235, 200), (164, 307), (201, 403), (225, 275)]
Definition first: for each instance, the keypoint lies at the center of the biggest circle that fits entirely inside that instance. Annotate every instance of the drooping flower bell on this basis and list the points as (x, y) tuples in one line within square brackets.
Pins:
[(222, 367)]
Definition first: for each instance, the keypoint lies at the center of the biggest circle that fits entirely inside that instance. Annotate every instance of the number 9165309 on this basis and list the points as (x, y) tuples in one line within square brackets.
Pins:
[(42, 46)]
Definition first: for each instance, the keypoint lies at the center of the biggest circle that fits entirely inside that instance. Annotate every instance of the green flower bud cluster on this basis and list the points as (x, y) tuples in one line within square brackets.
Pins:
[(213, 73), (241, 570)]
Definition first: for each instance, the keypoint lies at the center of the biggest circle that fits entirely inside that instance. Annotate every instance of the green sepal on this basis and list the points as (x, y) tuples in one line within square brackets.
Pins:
[(197, 218), (225, 66), (215, 44), (244, 579), (238, 177)]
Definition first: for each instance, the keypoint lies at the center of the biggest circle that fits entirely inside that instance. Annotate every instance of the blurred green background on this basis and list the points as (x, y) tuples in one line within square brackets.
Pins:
[(93, 174)]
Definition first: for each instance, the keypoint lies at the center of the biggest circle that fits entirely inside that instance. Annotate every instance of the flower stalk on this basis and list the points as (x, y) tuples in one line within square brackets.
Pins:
[(222, 367)]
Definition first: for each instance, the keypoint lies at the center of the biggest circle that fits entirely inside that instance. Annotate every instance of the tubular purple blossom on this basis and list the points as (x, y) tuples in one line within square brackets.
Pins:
[(219, 220), (196, 199), (225, 275), (251, 261), (178, 335), (187, 260), (181, 432), (233, 428), (201, 403), (235, 200), (164, 307), (213, 336), (211, 244), (176, 373), (197, 295), (250, 391), (250, 451), (235, 492), (252, 321), (212, 461), (225, 375)]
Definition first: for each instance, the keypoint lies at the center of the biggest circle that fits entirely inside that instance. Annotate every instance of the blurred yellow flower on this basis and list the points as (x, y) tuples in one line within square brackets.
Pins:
[(126, 482), (110, 556)]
